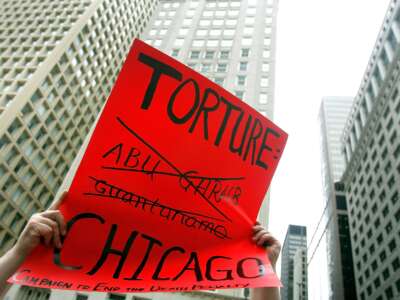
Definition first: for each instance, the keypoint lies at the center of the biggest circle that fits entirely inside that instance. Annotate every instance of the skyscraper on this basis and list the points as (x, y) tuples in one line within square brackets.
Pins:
[(300, 281), (333, 224), (59, 61), (372, 176), (230, 42), (296, 238)]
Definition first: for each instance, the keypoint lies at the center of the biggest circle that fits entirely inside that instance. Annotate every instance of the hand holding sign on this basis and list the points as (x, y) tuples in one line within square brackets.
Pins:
[(47, 227), (168, 189)]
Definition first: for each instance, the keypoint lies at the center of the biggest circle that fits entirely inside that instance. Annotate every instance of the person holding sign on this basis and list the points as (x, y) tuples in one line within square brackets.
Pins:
[(48, 227)]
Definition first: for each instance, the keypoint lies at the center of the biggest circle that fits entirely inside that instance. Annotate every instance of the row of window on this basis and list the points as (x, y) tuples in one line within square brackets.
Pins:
[(213, 4), (206, 67), (183, 32), (374, 84)]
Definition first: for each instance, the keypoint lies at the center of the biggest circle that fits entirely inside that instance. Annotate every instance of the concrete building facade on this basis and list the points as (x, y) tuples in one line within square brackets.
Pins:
[(296, 238), (300, 272), (230, 42), (333, 225), (59, 61), (372, 176)]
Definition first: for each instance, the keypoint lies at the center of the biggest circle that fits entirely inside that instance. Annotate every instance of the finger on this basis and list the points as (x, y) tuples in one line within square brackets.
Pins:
[(58, 201), (55, 230), (259, 234), (258, 228), (55, 215), (44, 231), (266, 240)]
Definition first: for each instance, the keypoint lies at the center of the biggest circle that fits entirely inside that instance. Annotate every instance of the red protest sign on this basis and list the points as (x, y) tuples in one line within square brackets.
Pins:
[(167, 191)]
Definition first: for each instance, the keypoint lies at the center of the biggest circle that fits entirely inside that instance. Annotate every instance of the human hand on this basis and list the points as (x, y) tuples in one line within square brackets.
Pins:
[(264, 239), (47, 226)]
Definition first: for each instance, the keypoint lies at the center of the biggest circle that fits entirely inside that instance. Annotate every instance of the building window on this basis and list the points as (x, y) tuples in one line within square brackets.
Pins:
[(215, 32), (81, 297), (389, 293), (219, 80), (392, 40), (183, 31), (186, 22), (231, 22), (192, 66), (263, 112), (179, 42), (175, 52), (249, 20), (205, 23), (265, 67), (221, 67), (384, 58), (264, 81), (226, 43), (195, 54), (239, 94), (263, 98), (220, 13), (225, 55), (198, 43), (116, 297), (245, 52), (243, 66), (247, 41), (217, 23), (396, 264), (201, 32), (205, 68), (212, 43), (251, 11), (248, 30), (209, 54), (241, 80)]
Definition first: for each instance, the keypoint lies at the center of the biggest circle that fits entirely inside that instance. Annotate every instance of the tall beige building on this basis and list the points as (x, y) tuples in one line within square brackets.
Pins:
[(231, 42), (58, 63)]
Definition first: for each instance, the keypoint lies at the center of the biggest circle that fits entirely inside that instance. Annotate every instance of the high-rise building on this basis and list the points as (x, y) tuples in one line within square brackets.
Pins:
[(372, 175), (333, 225), (296, 238), (58, 64), (231, 42), (300, 280)]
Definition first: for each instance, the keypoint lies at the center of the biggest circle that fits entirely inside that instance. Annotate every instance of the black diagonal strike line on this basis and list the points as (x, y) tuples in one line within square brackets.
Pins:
[(173, 174), (172, 166)]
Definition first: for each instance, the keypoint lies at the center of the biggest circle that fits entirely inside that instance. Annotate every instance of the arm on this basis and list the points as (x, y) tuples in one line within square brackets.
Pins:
[(46, 226), (264, 239)]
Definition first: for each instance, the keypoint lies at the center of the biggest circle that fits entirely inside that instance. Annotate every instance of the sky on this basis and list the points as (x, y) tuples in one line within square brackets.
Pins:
[(323, 47)]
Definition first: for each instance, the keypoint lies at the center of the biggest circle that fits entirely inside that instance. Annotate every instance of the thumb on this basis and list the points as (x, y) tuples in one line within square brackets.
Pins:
[(57, 202)]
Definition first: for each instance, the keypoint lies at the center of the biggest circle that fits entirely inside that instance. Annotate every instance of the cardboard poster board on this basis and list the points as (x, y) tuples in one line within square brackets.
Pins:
[(168, 189)]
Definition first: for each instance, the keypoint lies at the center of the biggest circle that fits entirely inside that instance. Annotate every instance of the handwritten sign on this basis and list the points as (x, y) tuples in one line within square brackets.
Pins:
[(168, 189)]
